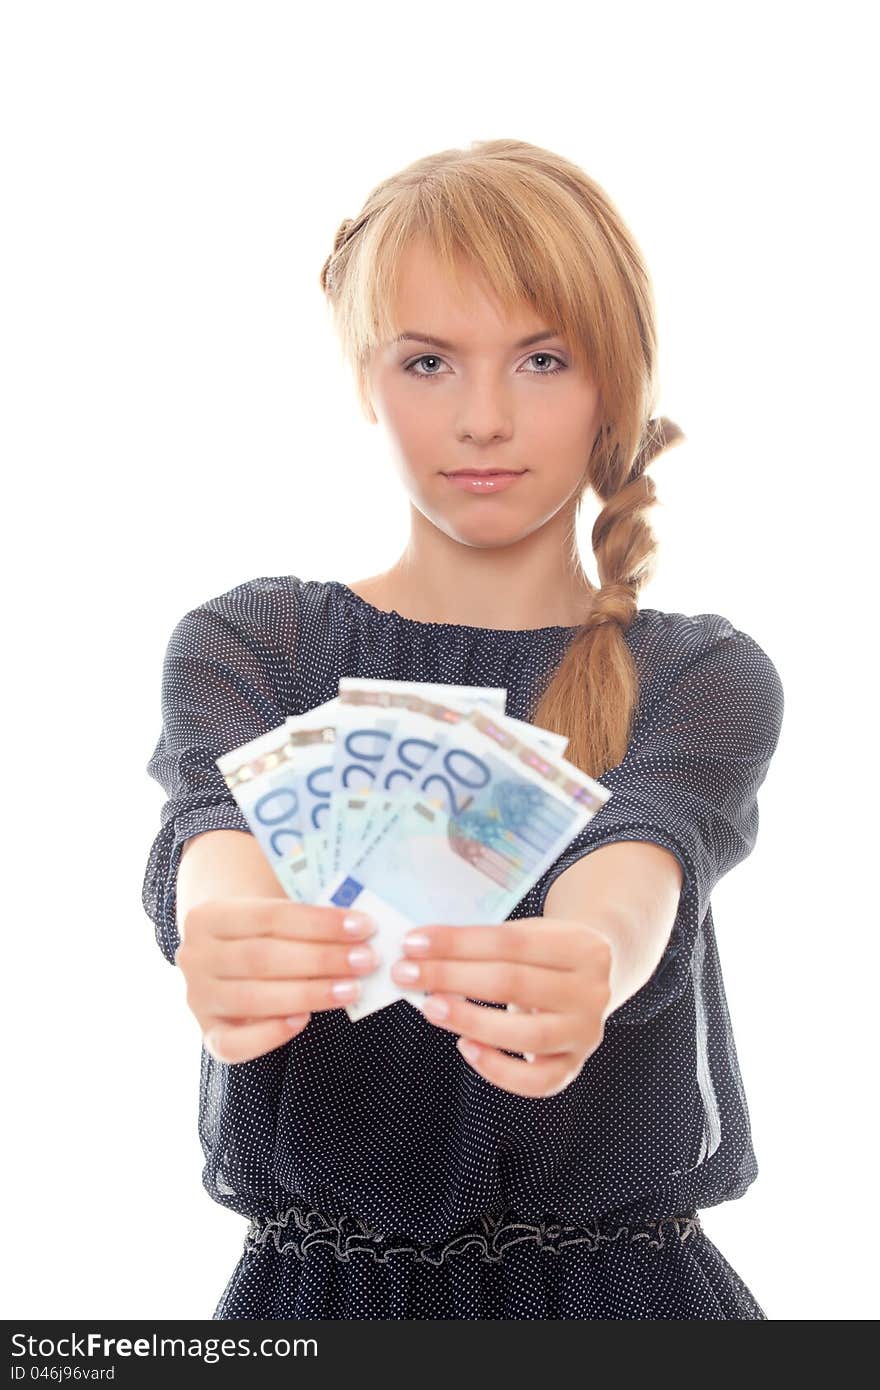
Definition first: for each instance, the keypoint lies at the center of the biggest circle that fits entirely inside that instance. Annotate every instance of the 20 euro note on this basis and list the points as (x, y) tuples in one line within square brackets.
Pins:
[(420, 731), (281, 783), (369, 745), (488, 814)]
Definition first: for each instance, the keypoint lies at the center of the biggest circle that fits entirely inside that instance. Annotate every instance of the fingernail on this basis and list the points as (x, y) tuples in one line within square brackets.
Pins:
[(362, 955), (416, 941), (347, 989), (468, 1049), (211, 1041), (406, 970), (357, 922), (435, 1007)]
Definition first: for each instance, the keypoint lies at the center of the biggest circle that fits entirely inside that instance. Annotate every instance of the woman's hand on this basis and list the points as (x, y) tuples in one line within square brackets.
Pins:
[(257, 969), (557, 969)]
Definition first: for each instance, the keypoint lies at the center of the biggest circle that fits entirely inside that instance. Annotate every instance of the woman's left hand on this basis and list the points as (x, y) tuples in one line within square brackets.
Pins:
[(557, 969)]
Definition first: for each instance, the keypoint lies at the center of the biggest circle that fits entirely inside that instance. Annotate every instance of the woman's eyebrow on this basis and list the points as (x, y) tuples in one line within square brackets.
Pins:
[(450, 347)]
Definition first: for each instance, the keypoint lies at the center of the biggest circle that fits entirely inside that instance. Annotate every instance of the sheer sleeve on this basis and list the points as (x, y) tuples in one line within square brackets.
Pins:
[(689, 782), (219, 689)]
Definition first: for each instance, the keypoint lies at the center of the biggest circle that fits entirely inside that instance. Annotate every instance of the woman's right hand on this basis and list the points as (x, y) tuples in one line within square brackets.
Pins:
[(257, 969)]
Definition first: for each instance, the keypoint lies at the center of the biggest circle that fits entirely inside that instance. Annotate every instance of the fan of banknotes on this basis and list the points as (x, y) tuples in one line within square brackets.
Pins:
[(414, 802)]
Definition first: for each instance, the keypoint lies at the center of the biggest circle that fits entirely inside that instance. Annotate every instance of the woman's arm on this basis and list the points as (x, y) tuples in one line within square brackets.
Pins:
[(222, 864), (628, 891), (688, 785), (225, 681)]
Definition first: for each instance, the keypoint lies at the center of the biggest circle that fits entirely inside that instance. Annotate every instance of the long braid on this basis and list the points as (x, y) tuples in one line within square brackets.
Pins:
[(624, 546)]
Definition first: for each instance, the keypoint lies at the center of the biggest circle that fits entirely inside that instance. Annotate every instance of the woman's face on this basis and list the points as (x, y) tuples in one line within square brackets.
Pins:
[(483, 400)]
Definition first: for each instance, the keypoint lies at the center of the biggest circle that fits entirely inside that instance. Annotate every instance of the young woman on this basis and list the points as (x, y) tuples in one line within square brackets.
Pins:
[(499, 318)]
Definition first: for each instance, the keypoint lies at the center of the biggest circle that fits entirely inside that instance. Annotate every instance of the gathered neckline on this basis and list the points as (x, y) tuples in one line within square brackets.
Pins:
[(418, 623)]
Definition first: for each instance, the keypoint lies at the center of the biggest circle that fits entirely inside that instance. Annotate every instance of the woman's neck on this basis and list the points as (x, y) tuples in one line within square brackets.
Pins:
[(514, 602)]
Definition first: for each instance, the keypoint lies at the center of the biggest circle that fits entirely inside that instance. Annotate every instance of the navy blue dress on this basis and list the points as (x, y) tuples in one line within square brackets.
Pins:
[(380, 1175)]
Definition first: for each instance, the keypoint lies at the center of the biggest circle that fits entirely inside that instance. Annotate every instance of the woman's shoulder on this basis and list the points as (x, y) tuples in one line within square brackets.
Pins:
[(275, 592), (689, 635), (258, 614), (708, 649), (265, 599)]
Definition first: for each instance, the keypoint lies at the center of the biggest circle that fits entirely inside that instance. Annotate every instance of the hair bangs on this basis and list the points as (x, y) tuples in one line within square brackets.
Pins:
[(525, 248)]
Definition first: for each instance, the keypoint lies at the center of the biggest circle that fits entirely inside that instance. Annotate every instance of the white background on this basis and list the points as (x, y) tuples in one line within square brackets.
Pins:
[(177, 419)]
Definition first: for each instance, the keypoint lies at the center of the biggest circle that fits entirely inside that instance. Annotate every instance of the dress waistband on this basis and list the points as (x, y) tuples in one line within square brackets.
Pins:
[(301, 1227)]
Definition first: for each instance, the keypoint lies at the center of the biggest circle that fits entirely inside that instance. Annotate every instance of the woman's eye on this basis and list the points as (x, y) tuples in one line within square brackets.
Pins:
[(431, 357), (553, 358), (427, 357)]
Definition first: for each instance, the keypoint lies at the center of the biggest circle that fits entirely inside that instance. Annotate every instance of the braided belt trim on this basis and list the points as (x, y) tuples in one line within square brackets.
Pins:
[(348, 1235)]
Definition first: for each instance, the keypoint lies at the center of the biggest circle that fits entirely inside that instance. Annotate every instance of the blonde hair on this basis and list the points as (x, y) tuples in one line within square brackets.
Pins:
[(540, 231)]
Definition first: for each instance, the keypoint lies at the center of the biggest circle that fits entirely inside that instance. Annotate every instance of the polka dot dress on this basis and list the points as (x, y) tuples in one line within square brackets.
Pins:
[(380, 1175)]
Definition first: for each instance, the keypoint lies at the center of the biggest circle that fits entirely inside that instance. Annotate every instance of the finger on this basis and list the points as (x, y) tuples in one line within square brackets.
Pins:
[(554, 943), (259, 999), (542, 1032), (515, 1009), (269, 958), (292, 921), (229, 1042), (545, 1076), (497, 981)]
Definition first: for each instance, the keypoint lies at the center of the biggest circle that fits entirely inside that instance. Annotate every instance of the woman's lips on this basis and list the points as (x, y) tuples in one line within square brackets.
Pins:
[(483, 482)]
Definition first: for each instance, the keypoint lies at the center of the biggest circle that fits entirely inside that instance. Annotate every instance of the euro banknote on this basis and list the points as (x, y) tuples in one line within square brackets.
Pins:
[(418, 803)]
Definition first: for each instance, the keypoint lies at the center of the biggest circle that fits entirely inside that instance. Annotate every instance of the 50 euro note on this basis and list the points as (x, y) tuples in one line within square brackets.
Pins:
[(484, 818)]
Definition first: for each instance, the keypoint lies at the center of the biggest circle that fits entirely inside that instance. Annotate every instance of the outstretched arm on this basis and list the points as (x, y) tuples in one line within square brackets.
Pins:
[(628, 890)]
